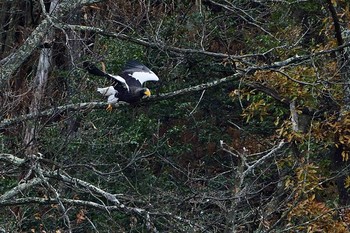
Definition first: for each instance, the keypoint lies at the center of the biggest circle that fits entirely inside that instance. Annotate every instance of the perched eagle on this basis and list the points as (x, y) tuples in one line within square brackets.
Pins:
[(128, 86)]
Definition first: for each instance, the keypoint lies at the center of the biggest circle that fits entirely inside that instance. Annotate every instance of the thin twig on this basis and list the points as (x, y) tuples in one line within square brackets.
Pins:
[(200, 99)]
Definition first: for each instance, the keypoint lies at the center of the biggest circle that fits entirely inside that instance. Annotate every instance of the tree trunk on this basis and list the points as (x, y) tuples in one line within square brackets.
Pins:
[(39, 85)]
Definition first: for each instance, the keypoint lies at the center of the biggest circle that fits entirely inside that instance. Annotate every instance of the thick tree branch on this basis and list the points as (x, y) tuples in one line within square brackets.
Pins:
[(9, 158), (13, 61), (10, 64), (102, 105), (77, 182), (40, 80), (109, 208), (160, 46), (199, 87), (55, 111), (19, 189)]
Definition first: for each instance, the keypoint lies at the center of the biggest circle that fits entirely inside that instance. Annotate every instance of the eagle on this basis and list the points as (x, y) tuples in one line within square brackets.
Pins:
[(126, 87)]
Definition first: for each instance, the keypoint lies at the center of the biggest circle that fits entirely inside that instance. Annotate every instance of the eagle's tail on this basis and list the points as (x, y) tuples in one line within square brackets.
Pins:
[(92, 69)]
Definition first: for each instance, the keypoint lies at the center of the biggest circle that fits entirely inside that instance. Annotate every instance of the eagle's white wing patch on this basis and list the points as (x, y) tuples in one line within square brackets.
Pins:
[(121, 80), (144, 76)]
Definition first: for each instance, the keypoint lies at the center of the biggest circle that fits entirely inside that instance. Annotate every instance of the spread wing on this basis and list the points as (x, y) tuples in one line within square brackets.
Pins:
[(92, 69), (134, 74), (139, 72)]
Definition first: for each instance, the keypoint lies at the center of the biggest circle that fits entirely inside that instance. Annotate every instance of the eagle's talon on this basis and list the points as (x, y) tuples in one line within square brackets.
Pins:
[(109, 108)]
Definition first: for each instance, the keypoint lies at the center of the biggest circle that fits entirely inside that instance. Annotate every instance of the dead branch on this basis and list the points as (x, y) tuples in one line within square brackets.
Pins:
[(297, 59), (263, 158), (11, 63), (19, 189), (110, 208), (44, 176), (12, 159), (102, 105)]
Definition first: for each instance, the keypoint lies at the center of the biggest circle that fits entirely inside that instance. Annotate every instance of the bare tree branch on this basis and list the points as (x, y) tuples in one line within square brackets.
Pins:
[(55, 111), (157, 45), (12, 159), (102, 105), (243, 15), (75, 181), (10, 64), (161, 46), (19, 189), (45, 181), (263, 158), (7, 199), (128, 209)]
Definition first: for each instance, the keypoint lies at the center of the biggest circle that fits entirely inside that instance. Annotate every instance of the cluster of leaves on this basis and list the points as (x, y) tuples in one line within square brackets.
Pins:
[(315, 88)]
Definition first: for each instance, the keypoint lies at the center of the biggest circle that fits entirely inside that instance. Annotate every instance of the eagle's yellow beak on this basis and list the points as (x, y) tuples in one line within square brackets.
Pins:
[(147, 93)]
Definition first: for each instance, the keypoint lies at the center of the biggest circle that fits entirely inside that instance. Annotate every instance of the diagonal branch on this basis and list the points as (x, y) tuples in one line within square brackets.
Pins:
[(10, 64), (156, 45), (163, 47), (54, 112), (78, 182), (19, 189), (102, 105), (337, 27), (263, 158), (12, 159), (128, 209), (7, 199)]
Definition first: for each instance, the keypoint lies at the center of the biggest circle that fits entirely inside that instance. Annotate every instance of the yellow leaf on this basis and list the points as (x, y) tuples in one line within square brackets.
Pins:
[(347, 182), (277, 121), (345, 155), (37, 216), (312, 197)]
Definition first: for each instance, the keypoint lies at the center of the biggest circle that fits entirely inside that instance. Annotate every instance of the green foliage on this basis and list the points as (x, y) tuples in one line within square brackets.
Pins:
[(118, 51), (7, 183)]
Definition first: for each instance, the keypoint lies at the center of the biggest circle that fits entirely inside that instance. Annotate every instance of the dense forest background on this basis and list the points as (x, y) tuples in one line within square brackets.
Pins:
[(248, 129)]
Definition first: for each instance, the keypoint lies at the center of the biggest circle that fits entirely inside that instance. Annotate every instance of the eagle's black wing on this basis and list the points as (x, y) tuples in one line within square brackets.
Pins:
[(135, 74), (118, 81)]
